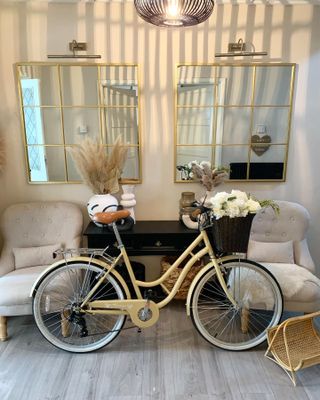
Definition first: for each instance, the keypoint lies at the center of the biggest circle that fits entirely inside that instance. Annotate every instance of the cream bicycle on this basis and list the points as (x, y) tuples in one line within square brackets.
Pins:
[(80, 303)]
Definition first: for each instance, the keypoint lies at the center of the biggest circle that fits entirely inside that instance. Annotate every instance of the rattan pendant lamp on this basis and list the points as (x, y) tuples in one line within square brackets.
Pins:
[(174, 13)]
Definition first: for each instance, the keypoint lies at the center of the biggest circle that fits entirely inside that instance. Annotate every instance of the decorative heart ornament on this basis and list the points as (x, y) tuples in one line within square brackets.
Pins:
[(259, 144)]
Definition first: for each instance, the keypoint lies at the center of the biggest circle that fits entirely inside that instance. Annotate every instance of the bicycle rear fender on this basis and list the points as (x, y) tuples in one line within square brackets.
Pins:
[(74, 260)]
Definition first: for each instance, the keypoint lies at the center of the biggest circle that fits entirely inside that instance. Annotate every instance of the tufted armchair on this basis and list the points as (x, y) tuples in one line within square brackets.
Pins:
[(31, 232), (279, 243)]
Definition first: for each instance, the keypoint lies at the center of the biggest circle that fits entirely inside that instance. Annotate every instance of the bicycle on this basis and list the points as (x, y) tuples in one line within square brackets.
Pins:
[(81, 303)]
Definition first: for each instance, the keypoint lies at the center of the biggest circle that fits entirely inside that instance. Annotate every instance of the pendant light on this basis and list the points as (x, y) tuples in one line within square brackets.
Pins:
[(174, 13)]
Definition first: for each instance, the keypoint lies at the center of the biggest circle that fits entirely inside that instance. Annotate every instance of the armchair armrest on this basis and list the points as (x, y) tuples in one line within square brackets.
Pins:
[(6, 261), (302, 255)]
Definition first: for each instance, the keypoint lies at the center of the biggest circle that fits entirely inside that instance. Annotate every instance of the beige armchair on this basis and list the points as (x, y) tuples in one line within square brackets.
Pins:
[(31, 232), (279, 243)]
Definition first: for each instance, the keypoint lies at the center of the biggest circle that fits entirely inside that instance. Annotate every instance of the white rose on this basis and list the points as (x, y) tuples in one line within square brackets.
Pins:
[(218, 213), (253, 206), (241, 203), (220, 197), (240, 195), (232, 209)]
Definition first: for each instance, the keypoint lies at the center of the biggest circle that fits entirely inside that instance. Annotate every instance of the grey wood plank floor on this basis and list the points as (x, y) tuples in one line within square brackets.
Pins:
[(167, 361)]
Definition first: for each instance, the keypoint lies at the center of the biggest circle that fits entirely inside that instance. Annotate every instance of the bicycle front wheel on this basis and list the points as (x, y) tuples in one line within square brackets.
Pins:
[(258, 306), (56, 308)]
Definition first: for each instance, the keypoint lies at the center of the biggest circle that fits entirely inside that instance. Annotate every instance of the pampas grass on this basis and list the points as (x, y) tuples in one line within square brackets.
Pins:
[(2, 154), (99, 170), (209, 177)]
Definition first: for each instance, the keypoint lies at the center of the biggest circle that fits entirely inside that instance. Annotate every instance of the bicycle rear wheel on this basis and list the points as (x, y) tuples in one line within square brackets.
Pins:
[(244, 326), (57, 314)]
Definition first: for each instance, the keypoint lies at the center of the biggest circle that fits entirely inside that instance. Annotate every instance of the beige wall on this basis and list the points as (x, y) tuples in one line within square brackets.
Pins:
[(29, 31)]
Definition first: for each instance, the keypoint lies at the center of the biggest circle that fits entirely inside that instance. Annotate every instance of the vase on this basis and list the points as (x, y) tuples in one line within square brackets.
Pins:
[(101, 203), (128, 199), (185, 203)]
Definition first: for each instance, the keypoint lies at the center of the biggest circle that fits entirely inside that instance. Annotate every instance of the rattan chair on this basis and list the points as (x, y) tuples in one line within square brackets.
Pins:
[(295, 344)]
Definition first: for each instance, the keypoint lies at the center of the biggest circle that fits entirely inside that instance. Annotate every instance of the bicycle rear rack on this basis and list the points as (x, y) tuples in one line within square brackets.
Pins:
[(84, 251)]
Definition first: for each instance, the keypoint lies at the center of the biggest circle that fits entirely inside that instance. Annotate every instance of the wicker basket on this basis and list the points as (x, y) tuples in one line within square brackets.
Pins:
[(166, 263), (231, 235)]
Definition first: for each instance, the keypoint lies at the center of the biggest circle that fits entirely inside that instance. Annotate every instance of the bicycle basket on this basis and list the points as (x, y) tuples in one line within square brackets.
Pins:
[(231, 235)]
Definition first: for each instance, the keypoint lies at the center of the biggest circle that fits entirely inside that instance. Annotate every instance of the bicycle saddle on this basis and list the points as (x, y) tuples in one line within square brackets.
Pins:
[(109, 217)]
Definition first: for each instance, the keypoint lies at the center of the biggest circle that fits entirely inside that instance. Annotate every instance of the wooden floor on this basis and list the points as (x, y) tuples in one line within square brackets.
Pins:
[(169, 361)]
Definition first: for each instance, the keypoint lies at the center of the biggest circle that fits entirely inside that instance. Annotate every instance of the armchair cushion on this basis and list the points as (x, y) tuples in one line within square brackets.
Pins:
[(298, 285), (32, 256), (294, 280), (273, 252), (15, 290)]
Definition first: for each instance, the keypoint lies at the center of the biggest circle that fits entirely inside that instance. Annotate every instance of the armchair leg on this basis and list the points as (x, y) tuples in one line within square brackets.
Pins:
[(3, 329), (245, 315), (65, 326)]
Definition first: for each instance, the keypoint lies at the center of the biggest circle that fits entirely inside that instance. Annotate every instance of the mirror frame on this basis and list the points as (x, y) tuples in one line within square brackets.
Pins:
[(99, 106), (252, 106)]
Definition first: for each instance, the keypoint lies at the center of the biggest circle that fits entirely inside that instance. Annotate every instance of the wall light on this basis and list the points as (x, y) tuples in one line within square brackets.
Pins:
[(239, 49)]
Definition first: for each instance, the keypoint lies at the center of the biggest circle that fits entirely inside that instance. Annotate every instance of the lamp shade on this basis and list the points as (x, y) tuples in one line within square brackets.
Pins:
[(174, 13)]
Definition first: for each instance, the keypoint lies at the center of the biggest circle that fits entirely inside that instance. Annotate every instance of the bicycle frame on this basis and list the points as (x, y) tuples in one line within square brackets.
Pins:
[(132, 306)]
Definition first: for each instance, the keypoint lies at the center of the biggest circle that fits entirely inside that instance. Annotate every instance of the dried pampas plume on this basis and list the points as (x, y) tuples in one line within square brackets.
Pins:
[(209, 177), (99, 170), (2, 154)]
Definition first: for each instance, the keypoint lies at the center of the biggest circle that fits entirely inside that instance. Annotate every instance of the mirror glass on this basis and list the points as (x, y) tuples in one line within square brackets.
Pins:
[(236, 116), (61, 104)]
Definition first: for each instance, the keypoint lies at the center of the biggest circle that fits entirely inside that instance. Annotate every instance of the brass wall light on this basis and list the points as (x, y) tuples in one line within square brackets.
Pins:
[(240, 49), (74, 47)]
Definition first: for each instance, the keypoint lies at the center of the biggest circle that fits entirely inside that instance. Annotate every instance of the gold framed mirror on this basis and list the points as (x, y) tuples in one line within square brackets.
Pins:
[(235, 115), (63, 103)]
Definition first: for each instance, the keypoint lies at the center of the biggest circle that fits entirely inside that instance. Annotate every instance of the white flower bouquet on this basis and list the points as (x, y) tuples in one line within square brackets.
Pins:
[(234, 204)]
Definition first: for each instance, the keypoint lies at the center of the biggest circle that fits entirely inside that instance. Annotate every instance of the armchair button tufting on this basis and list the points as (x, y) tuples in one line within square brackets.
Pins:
[(292, 219), (267, 233), (283, 234)]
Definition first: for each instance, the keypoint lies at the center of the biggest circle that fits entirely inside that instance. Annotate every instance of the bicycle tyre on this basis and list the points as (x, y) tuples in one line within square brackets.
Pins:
[(60, 291), (219, 322)]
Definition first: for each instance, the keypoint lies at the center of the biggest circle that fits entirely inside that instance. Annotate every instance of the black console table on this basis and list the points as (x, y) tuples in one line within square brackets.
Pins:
[(145, 238)]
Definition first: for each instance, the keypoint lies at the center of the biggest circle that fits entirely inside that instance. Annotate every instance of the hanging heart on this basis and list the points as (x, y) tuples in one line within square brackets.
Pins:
[(259, 144)]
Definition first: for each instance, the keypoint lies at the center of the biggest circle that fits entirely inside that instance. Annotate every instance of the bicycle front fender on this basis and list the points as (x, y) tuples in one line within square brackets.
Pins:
[(200, 275), (74, 260), (194, 282)]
